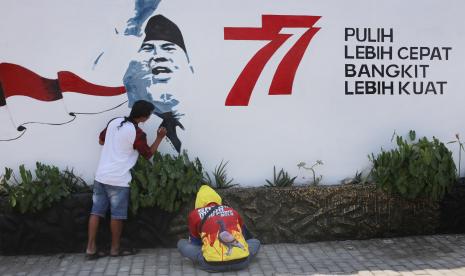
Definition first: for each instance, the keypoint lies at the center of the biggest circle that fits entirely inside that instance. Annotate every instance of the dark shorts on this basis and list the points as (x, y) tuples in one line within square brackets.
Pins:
[(115, 197)]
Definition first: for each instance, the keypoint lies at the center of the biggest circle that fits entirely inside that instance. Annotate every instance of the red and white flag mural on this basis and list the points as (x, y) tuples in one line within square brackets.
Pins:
[(16, 80)]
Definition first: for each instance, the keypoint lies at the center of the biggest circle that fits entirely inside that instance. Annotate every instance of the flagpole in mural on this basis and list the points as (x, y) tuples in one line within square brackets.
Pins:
[(13, 124)]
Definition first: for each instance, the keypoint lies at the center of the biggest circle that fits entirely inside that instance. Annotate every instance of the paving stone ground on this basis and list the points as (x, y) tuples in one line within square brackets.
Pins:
[(412, 256)]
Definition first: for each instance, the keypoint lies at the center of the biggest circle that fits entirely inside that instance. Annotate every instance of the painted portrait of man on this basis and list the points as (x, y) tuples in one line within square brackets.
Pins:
[(162, 54)]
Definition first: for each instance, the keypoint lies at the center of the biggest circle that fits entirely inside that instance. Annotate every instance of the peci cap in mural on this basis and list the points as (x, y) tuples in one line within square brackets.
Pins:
[(161, 28)]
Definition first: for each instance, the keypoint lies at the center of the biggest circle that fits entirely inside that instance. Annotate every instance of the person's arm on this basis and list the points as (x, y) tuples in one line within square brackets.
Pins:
[(245, 232), (161, 133), (195, 240), (140, 143), (101, 137), (193, 222)]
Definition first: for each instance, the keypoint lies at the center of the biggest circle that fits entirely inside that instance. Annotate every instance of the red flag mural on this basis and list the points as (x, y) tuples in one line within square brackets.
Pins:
[(16, 80)]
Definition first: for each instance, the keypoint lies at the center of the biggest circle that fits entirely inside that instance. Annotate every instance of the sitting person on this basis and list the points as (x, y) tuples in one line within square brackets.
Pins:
[(218, 239)]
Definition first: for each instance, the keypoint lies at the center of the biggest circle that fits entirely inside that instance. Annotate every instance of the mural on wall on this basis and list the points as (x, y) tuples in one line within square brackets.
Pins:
[(16, 80), (161, 55), (283, 78), (156, 63), (274, 85)]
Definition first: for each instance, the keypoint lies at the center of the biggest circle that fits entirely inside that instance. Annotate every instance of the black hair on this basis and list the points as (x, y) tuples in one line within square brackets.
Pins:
[(161, 28), (139, 109)]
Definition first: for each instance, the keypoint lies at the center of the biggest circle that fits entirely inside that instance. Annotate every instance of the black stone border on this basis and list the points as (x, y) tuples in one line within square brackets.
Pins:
[(274, 215)]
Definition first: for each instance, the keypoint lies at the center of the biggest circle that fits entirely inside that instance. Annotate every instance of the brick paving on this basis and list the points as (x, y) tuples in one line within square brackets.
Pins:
[(412, 256)]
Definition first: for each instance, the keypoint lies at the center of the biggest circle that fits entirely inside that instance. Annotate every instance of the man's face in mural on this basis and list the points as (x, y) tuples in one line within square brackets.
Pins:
[(148, 77), (161, 58), (151, 74)]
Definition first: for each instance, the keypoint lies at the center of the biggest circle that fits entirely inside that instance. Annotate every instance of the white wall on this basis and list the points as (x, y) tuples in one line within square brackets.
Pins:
[(318, 121)]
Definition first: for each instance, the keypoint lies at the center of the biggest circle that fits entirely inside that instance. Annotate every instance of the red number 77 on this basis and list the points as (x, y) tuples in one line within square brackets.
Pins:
[(283, 78)]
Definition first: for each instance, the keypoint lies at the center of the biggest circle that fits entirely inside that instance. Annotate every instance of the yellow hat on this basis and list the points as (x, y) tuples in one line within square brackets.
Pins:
[(205, 196)]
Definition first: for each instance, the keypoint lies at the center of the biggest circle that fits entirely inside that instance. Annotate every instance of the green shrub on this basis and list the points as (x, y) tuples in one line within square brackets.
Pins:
[(167, 182), (220, 177), (282, 179), (358, 179), (50, 185), (415, 169)]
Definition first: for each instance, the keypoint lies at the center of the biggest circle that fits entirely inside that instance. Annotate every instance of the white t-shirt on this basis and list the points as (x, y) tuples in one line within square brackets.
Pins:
[(118, 154)]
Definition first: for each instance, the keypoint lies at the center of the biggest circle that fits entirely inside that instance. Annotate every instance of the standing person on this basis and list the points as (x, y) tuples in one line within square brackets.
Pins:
[(122, 142), (218, 238)]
